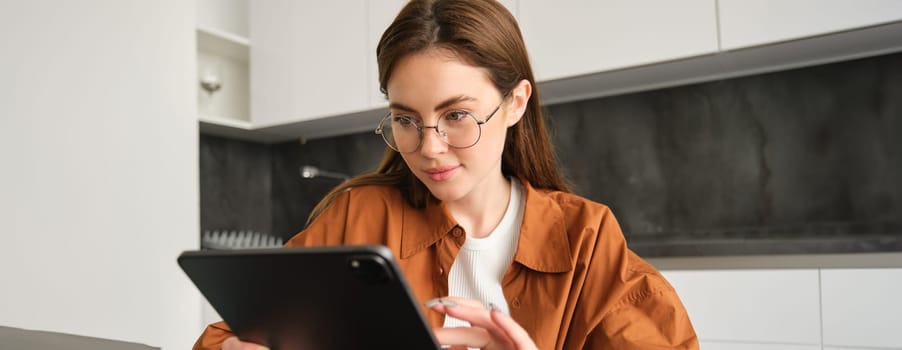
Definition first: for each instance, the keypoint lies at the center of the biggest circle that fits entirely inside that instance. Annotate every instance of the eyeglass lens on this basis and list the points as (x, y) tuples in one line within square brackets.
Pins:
[(457, 129)]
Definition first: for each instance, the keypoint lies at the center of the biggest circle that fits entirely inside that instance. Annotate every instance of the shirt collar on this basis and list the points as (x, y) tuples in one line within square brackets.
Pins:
[(543, 245), (421, 228)]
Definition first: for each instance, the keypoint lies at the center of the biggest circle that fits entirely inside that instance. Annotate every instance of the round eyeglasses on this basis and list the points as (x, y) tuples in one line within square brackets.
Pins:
[(458, 129)]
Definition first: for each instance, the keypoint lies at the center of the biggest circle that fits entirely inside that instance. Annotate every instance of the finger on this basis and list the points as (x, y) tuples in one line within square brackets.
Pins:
[(517, 335), (473, 312), (468, 309), (466, 301), (233, 343), (471, 337)]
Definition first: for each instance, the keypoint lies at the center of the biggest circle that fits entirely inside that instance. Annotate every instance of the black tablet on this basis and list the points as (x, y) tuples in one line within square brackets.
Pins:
[(312, 298)]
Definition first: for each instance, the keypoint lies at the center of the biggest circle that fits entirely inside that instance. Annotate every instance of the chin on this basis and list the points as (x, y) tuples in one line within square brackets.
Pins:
[(446, 191)]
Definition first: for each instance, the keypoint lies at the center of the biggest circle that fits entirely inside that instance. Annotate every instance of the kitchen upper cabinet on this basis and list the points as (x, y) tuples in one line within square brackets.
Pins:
[(745, 23), (313, 71), (222, 63), (576, 37), (307, 61)]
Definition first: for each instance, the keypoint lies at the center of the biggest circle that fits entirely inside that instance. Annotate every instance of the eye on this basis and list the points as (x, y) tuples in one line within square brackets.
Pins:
[(403, 121), (454, 116)]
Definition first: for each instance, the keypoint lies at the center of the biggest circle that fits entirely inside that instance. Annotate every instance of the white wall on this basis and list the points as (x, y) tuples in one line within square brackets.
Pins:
[(99, 179)]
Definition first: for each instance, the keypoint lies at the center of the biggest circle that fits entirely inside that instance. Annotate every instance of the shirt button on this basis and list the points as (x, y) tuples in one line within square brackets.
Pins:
[(516, 303), (457, 232), (441, 271)]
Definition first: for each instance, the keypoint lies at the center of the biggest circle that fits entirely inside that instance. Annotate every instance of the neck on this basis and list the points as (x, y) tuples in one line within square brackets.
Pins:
[(480, 212)]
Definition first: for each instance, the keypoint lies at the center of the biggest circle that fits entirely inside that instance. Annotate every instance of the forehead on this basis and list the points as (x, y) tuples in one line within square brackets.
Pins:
[(424, 79)]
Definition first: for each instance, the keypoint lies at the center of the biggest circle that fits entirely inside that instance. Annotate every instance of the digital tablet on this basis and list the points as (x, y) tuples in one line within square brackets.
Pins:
[(312, 298)]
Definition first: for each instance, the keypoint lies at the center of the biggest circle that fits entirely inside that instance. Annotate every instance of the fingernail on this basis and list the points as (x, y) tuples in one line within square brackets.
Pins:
[(433, 302), (436, 301), (447, 303), (494, 307)]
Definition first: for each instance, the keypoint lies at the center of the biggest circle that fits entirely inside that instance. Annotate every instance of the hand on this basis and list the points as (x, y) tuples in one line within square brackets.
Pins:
[(489, 330), (232, 343)]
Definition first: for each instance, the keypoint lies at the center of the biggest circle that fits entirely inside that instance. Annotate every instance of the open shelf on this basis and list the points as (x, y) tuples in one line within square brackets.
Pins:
[(224, 112), (227, 122), (224, 44)]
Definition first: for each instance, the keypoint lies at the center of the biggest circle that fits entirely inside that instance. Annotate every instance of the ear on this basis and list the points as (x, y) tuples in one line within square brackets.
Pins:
[(519, 98)]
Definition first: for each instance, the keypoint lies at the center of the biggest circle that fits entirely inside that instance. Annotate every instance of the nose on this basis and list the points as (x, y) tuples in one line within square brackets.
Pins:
[(432, 142)]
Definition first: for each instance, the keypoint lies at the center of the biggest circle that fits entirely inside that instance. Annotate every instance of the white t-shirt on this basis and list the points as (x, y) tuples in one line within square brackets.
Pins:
[(481, 263)]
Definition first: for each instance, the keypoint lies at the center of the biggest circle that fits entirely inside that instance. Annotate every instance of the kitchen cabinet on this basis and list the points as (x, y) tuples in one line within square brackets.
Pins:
[(751, 306), (720, 345), (311, 72), (577, 37), (861, 308), (222, 60), (800, 308), (745, 23), (307, 62)]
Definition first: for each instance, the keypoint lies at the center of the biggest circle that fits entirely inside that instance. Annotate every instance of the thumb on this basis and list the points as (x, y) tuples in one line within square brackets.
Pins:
[(232, 343)]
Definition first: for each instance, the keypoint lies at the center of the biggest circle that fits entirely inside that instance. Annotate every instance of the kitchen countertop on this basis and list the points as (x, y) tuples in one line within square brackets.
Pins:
[(799, 261), (815, 245), (17, 338)]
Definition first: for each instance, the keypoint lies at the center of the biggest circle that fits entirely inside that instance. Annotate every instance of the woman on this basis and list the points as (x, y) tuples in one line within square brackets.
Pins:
[(469, 198)]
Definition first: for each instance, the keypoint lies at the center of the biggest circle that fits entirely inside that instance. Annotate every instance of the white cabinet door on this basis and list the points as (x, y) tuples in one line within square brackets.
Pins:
[(862, 308), (307, 61), (751, 306), (575, 37), (708, 345), (745, 23)]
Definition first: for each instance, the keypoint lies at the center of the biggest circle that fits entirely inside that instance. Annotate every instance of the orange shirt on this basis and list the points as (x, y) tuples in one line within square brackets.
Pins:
[(573, 283)]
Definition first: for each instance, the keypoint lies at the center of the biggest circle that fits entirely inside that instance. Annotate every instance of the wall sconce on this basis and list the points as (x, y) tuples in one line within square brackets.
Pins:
[(309, 172)]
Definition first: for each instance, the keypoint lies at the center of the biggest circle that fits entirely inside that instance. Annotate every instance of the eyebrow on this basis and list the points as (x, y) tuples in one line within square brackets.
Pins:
[(444, 104)]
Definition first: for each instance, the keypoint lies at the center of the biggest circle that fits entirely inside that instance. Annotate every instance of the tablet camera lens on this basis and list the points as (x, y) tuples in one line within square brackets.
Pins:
[(370, 269)]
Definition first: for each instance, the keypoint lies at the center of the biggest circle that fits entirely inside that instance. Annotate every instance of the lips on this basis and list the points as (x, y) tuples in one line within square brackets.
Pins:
[(442, 173)]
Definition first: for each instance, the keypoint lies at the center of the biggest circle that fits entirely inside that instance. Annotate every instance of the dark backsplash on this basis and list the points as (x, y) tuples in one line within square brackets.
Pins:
[(235, 185), (800, 161), (351, 155)]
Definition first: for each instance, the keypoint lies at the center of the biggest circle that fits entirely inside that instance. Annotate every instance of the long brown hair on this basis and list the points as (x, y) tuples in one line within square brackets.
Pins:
[(485, 34)]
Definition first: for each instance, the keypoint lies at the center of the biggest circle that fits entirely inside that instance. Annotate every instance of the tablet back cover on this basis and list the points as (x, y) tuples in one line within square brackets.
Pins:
[(322, 298)]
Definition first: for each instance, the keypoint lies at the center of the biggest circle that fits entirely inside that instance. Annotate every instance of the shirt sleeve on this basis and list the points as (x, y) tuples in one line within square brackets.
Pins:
[(213, 337), (327, 229), (649, 316)]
